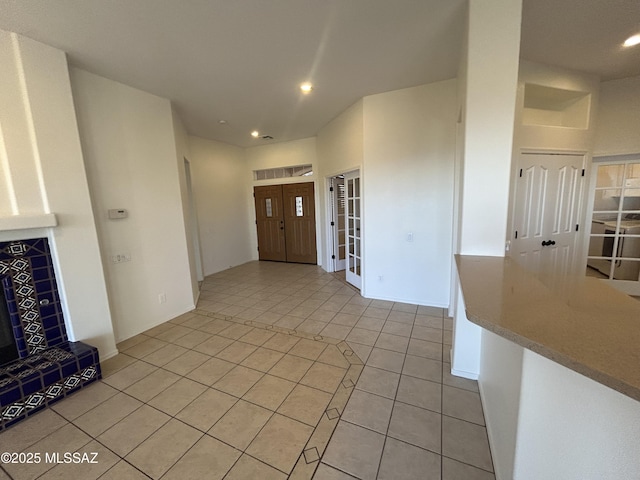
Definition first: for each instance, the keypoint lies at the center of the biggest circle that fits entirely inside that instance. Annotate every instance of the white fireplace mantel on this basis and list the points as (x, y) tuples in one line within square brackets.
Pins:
[(24, 222)]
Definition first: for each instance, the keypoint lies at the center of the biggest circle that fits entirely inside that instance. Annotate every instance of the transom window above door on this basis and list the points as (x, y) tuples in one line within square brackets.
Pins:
[(283, 172)]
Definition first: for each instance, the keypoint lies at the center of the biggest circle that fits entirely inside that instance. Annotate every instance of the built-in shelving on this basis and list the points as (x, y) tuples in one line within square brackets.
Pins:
[(555, 107)]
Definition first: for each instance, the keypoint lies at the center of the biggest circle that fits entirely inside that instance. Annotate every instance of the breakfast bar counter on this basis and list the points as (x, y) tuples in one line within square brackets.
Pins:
[(558, 368), (580, 323)]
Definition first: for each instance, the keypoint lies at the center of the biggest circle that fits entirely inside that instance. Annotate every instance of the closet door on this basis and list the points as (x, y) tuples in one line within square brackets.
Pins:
[(270, 223), (546, 213), (300, 222)]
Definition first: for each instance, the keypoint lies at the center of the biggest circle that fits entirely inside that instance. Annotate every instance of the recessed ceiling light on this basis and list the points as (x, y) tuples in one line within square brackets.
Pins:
[(631, 41), (255, 134), (306, 88), (222, 122)]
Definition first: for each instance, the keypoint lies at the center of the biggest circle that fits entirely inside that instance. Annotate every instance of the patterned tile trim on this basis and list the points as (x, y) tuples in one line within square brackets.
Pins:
[(30, 384), (48, 395), (29, 284), (314, 449)]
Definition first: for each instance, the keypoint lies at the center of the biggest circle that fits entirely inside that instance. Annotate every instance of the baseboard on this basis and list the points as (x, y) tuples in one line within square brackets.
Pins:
[(463, 374), (490, 436), (109, 355)]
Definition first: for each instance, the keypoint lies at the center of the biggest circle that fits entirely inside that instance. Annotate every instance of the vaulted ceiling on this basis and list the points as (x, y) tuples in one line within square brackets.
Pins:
[(242, 61)]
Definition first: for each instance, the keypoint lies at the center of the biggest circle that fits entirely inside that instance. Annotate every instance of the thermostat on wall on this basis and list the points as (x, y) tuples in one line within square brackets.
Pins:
[(115, 213)]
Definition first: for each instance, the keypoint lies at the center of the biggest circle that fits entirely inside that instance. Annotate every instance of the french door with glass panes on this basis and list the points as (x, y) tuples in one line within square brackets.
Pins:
[(353, 213), (614, 243)]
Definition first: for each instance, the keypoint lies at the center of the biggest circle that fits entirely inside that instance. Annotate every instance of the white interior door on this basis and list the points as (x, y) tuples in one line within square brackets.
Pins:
[(546, 212), (353, 214)]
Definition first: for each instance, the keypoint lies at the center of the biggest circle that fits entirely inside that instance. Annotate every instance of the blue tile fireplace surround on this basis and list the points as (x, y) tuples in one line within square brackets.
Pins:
[(46, 366)]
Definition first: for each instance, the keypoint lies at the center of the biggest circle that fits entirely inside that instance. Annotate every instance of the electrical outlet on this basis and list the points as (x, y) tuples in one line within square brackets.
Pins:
[(121, 257), (162, 298)]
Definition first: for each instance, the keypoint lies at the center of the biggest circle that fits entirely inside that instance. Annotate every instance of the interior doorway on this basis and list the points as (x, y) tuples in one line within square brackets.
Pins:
[(338, 223), (345, 223), (193, 223), (286, 222)]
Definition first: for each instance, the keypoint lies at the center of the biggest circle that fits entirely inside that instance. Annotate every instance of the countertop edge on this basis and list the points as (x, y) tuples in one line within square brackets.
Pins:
[(543, 349)]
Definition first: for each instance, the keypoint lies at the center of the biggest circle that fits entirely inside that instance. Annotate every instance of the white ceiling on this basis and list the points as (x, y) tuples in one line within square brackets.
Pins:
[(582, 35), (242, 60)]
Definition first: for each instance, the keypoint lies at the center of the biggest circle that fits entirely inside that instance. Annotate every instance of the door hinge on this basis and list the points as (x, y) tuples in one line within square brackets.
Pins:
[(256, 222), (577, 227), (583, 172), (333, 223), (331, 189), (520, 173), (516, 233)]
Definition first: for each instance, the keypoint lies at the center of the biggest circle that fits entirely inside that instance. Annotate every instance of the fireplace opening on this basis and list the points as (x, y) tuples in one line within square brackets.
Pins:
[(8, 349)]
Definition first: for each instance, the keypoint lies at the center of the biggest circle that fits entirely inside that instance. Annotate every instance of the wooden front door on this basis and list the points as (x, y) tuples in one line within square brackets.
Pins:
[(270, 223), (300, 222), (286, 223)]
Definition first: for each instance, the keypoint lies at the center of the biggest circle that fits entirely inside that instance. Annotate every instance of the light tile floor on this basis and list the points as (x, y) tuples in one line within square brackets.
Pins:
[(258, 383)]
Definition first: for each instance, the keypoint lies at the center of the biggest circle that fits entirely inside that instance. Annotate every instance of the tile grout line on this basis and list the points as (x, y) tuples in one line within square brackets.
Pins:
[(273, 412), (236, 296), (386, 435)]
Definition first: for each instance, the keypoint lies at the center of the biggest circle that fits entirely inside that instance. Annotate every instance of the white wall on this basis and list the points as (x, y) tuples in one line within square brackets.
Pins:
[(500, 384), (130, 154), (618, 117), (340, 142), (285, 154), (409, 144), (221, 189), (340, 146), (490, 76), (42, 172), (572, 428)]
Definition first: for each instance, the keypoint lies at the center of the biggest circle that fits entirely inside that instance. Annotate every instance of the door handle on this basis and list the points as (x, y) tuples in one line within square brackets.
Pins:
[(548, 242)]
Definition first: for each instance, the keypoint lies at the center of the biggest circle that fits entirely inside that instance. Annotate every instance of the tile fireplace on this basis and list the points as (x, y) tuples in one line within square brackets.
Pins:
[(39, 365)]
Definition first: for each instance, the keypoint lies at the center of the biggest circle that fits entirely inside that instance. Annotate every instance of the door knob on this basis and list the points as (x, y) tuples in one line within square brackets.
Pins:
[(548, 242)]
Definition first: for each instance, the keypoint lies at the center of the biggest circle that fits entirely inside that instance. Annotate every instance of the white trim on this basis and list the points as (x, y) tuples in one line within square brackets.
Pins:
[(463, 374), (622, 157), (25, 222), (490, 434)]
